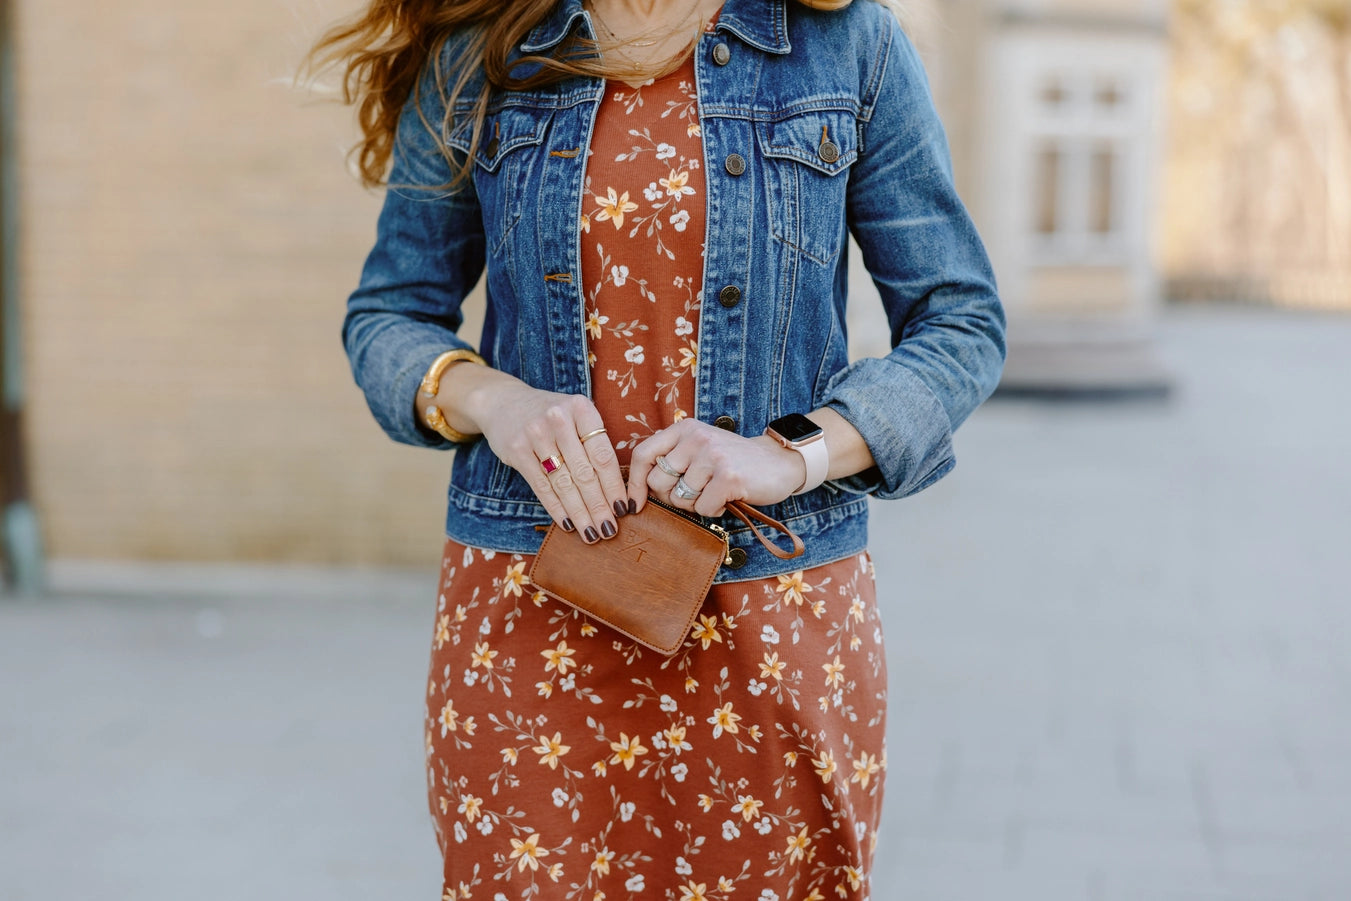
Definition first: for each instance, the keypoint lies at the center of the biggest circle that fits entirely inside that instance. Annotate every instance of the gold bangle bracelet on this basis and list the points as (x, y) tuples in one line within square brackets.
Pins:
[(431, 385)]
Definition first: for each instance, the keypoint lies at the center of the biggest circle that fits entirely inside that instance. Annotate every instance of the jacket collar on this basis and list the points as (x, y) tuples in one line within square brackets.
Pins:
[(760, 23)]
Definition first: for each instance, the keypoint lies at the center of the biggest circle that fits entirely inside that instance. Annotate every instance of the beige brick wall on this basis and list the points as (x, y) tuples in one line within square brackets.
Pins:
[(190, 234)]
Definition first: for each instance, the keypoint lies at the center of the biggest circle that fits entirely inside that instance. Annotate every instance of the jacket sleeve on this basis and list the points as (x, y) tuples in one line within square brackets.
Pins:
[(428, 253), (928, 262)]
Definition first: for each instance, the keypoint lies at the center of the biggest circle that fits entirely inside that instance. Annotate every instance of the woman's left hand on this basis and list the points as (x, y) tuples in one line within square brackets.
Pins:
[(718, 465)]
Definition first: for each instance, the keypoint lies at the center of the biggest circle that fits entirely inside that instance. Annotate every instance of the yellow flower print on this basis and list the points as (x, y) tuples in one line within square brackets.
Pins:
[(693, 130), (550, 749), (527, 853), (594, 323), (856, 610), (509, 756), (483, 655), (706, 630), (724, 719), (461, 614), (691, 892), (442, 630), (545, 689), (793, 588), (855, 877), (559, 658), (815, 896), (689, 354), (706, 803), (725, 884), (556, 872), (834, 672), (790, 758), (514, 579), (627, 750), (855, 642), (601, 864), (773, 667), (675, 737), (599, 768), (588, 630), (676, 184), (449, 718), (586, 223), (469, 726), (613, 207), (864, 769), (797, 846), (824, 765), (748, 807), (691, 685), (469, 806)]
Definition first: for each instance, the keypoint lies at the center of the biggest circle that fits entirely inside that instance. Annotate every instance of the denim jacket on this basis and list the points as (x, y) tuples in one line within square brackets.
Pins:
[(813, 123)]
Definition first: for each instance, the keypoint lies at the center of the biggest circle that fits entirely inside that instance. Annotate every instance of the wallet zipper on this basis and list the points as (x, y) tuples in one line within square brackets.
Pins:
[(699, 521)]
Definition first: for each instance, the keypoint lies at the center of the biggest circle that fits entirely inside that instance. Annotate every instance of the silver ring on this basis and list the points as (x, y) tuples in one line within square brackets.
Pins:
[(683, 491), (666, 468)]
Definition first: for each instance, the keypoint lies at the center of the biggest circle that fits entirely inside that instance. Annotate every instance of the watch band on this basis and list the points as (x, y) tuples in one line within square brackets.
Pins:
[(817, 457), (797, 432)]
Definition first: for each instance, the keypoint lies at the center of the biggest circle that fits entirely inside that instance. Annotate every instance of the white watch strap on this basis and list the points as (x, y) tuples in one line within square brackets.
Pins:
[(817, 457)]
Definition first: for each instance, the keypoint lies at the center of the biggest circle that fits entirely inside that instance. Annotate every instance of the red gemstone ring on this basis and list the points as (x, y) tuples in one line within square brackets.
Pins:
[(551, 465)]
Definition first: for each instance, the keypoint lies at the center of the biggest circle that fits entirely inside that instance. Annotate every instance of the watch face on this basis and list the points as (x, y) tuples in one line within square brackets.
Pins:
[(795, 427)]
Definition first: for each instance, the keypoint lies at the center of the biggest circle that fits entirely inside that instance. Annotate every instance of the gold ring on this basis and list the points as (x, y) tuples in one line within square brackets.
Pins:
[(551, 465), (591, 434)]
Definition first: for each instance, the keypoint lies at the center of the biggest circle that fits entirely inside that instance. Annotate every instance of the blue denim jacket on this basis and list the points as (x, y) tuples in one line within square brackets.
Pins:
[(779, 203)]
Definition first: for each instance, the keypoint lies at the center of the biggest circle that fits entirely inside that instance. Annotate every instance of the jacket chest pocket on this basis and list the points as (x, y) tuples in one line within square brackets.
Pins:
[(807, 158), (503, 166)]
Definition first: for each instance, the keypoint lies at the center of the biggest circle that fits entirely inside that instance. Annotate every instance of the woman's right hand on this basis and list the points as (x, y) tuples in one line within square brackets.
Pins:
[(524, 426)]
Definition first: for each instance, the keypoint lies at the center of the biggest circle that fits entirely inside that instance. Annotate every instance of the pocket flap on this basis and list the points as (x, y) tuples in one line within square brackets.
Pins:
[(826, 140), (504, 130)]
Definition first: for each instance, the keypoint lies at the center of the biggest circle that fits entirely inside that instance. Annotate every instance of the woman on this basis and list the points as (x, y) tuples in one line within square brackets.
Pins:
[(659, 193)]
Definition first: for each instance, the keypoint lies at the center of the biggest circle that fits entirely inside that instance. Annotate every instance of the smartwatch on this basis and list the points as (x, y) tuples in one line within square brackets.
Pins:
[(797, 432)]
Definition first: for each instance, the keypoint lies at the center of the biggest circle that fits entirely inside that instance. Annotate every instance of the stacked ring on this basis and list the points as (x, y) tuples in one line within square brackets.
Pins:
[(666, 467), (684, 491), (550, 465)]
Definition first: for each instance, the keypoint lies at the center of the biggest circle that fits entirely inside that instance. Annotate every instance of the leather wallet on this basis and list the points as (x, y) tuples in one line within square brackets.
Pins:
[(649, 581)]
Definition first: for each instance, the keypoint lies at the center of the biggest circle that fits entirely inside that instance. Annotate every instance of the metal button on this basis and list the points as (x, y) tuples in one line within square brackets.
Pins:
[(729, 296), (491, 149), (725, 422), (738, 558), (722, 54), (735, 164), (828, 151)]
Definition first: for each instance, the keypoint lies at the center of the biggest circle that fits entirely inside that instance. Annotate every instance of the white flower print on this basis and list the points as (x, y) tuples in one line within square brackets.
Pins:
[(769, 635), (668, 704), (764, 825), (620, 274), (680, 771), (665, 151), (560, 797), (768, 895), (683, 327), (626, 811), (680, 220), (460, 832), (635, 883), (634, 354), (683, 867), (755, 687), (730, 830), (651, 193)]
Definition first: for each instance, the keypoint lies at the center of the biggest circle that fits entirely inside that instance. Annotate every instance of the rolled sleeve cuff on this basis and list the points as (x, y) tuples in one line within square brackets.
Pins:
[(399, 414), (903, 423)]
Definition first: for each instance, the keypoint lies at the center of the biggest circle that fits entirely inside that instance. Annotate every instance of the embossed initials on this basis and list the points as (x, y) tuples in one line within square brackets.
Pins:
[(634, 542)]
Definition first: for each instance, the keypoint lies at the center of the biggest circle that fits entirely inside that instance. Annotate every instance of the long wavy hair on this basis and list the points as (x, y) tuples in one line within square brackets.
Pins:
[(381, 51)]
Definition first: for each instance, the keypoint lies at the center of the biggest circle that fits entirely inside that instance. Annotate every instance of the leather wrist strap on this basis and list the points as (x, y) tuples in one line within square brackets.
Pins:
[(746, 513)]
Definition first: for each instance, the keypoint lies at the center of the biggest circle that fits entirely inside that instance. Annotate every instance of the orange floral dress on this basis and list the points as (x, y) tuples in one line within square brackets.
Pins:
[(565, 762)]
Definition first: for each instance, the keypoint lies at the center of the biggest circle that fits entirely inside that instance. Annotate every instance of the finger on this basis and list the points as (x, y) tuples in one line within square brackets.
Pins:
[(539, 483), (561, 485), (642, 465), (606, 462), (696, 478), (726, 485), (580, 476)]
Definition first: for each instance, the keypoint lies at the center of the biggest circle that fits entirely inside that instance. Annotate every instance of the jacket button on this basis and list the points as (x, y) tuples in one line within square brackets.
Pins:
[(722, 54), (491, 149), (729, 296), (828, 151), (735, 164), (738, 558), (725, 422)]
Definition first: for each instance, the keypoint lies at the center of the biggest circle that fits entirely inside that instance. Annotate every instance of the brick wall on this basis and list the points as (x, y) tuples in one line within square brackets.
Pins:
[(190, 234)]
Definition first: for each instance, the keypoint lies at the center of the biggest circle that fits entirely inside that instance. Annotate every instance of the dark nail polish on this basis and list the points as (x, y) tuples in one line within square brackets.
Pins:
[(607, 529), (590, 536), (633, 506), (568, 526), (621, 509)]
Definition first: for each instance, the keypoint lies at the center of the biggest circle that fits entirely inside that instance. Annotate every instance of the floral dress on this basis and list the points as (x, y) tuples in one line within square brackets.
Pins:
[(566, 762)]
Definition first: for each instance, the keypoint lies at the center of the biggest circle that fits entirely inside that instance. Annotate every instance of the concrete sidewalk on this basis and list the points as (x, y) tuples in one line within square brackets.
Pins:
[(1118, 640)]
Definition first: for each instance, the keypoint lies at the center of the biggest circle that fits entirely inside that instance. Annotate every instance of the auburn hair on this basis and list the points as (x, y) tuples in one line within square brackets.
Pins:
[(381, 52)]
